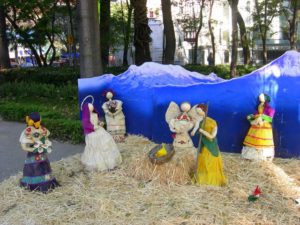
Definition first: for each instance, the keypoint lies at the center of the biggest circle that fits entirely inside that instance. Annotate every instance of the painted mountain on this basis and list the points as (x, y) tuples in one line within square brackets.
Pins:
[(147, 90)]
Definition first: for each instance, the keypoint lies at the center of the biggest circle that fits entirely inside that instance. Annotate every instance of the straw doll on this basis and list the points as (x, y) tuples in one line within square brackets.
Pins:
[(101, 152), (180, 122), (209, 169), (37, 171), (259, 144), (114, 117)]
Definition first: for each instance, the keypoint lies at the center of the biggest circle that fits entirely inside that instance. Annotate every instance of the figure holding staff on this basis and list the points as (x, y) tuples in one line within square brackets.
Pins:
[(209, 167)]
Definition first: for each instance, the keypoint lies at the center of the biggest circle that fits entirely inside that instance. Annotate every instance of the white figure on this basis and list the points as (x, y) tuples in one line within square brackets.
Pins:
[(114, 116), (182, 122), (101, 152)]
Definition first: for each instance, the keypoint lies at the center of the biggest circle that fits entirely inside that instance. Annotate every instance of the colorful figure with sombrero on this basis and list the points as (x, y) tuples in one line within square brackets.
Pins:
[(259, 144), (37, 174), (114, 116)]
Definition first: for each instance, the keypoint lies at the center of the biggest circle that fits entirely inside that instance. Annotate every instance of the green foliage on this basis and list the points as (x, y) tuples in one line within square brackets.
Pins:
[(40, 90), (62, 125), (118, 23), (47, 75), (50, 75), (222, 71)]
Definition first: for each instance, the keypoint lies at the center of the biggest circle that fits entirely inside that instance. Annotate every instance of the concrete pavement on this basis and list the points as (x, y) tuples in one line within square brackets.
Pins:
[(12, 156)]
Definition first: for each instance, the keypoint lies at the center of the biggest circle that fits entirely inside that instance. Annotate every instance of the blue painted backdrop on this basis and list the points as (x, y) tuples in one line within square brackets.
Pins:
[(147, 90)]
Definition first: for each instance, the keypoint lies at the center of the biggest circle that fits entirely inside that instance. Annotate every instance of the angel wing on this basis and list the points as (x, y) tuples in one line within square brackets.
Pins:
[(172, 112)]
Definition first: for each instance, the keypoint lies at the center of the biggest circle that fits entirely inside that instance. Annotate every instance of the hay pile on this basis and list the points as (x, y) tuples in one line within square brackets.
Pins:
[(117, 197), (177, 170)]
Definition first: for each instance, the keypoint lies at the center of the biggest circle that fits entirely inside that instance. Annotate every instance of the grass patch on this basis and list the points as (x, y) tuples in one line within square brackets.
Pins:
[(63, 122)]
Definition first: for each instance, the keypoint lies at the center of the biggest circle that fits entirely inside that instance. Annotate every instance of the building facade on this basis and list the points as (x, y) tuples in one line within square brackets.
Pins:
[(185, 15)]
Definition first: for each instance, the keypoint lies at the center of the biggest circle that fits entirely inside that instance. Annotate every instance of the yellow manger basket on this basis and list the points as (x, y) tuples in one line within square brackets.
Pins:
[(161, 153)]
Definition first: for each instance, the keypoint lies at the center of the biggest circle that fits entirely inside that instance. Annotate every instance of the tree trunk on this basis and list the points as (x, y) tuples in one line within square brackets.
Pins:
[(89, 39), (293, 27), (141, 32), (105, 32), (169, 51), (4, 54), (244, 40), (234, 4), (71, 41), (264, 50), (198, 32), (210, 27), (127, 33)]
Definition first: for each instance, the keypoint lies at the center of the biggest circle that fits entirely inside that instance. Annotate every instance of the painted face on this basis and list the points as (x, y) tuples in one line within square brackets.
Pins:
[(91, 107), (200, 112), (261, 98), (109, 95), (185, 106)]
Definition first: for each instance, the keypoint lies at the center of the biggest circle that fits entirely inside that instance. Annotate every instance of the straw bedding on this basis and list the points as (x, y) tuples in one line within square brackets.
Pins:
[(127, 196)]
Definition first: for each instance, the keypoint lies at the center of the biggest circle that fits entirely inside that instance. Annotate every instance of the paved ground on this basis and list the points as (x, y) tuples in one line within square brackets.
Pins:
[(12, 156)]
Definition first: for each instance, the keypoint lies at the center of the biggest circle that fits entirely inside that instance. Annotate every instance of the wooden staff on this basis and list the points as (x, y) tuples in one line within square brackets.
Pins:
[(200, 141)]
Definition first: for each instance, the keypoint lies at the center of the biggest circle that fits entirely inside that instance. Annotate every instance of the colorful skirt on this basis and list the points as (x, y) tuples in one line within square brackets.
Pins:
[(260, 137), (37, 174), (209, 170)]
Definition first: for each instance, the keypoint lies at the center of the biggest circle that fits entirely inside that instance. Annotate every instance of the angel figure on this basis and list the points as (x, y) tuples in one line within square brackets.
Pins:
[(259, 144), (209, 169), (180, 122), (114, 117), (101, 152), (37, 173)]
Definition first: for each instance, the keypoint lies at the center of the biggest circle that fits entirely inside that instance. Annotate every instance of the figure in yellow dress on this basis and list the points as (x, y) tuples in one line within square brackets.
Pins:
[(259, 144), (209, 163)]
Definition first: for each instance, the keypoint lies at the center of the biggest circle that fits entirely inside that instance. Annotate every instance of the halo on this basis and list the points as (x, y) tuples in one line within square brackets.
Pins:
[(88, 96)]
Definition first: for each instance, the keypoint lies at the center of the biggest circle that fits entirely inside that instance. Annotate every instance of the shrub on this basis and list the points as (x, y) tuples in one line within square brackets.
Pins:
[(38, 90), (62, 126)]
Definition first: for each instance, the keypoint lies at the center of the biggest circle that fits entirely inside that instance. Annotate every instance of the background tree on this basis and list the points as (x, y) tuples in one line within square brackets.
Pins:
[(211, 30), (290, 9), (4, 54), (105, 30), (127, 31), (192, 23), (90, 55), (263, 15), (142, 32), (169, 34), (234, 11), (243, 37), (34, 23), (71, 39), (120, 25)]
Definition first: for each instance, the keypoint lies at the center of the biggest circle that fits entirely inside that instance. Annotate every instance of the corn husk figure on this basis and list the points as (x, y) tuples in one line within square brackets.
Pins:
[(259, 144), (209, 169), (37, 174), (114, 117), (180, 122), (101, 152)]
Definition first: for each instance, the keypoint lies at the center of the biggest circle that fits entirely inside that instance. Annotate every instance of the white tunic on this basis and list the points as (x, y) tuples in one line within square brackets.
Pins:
[(101, 152)]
